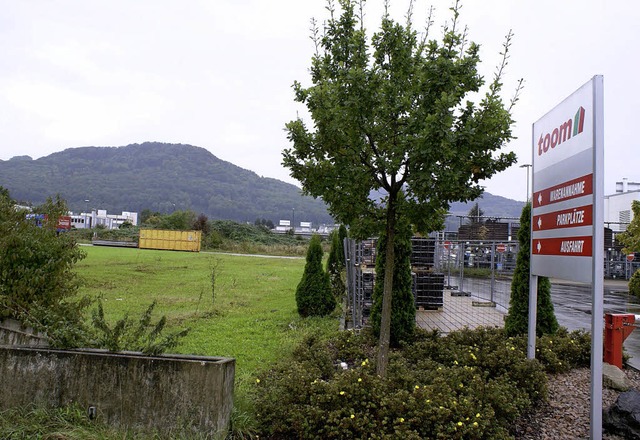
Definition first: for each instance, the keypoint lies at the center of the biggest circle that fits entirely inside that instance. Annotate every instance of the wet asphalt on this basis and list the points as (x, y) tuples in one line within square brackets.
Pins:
[(572, 304)]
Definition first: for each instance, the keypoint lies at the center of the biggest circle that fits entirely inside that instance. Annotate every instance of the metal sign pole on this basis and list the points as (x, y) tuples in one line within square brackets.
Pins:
[(597, 315), (533, 316)]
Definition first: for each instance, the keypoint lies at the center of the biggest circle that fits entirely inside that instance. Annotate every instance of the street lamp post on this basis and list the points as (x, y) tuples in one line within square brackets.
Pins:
[(293, 220), (527, 166)]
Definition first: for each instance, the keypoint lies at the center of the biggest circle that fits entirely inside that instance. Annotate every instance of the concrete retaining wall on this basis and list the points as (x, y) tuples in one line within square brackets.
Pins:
[(162, 393)]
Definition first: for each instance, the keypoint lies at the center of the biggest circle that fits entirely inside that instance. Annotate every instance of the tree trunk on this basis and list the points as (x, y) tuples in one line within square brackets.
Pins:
[(385, 316)]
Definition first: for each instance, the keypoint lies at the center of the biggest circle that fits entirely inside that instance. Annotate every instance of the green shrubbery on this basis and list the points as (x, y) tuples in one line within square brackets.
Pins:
[(403, 308), (517, 320), (469, 384), (313, 294), (634, 284)]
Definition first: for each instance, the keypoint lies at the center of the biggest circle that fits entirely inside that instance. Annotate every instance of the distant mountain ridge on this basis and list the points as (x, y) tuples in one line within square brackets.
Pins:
[(165, 177), (157, 176)]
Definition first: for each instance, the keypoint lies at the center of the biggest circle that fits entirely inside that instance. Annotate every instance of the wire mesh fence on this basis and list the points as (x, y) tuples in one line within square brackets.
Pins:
[(456, 284)]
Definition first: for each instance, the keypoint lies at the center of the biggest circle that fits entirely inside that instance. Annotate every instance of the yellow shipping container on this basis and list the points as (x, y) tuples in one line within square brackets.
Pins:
[(170, 240)]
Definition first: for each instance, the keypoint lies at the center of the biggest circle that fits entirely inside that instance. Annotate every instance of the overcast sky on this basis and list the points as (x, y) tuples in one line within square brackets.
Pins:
[(217, 74)]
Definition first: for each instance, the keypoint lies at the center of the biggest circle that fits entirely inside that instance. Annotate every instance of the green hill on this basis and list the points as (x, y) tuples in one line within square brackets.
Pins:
[(157, 176)]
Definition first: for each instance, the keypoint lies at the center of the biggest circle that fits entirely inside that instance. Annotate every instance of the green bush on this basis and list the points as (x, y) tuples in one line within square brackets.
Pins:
[(133, 334), (403, 308), (336, 267), (313, 294), (471, 384), (634, 284), (38, 284), (517, 320)]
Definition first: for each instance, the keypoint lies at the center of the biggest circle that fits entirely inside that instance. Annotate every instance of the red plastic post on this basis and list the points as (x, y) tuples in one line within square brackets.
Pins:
[(617, 327)]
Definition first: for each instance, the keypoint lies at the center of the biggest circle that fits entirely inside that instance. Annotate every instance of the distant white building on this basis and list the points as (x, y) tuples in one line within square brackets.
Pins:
[(100, 217), (617, 207), (283, 226)]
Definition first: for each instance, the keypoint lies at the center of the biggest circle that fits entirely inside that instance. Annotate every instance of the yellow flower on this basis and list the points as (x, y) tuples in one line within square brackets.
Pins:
[(352, 416), (477, 415), (342, 393), (475, 424), (455, 362), (359, 379), (401, 419), (428, 400), (461, 385), (417, 387), (257, 380), (459, 423)]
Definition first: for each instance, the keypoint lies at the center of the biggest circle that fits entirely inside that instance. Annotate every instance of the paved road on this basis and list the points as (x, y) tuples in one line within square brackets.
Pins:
[(572, 303)]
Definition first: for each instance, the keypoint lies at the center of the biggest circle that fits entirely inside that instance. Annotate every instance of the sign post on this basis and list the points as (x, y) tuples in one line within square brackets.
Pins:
[(567, 216)]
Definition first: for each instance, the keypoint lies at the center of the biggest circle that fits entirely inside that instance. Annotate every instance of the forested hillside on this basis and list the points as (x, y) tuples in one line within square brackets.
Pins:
[(160, 177), (167, 177)]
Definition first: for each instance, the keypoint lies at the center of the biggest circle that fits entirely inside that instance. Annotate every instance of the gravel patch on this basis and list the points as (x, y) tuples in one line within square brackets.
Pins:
[(566, 414)]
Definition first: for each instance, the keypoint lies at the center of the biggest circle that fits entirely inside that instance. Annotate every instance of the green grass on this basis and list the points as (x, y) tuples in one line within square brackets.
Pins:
[(252, 317)]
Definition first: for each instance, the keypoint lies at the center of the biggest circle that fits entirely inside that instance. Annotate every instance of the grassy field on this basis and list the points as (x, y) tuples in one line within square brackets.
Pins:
[(250, 315)]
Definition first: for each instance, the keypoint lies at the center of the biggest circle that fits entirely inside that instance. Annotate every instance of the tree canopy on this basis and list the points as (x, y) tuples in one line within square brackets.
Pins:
[(631, 237), (395, 131)]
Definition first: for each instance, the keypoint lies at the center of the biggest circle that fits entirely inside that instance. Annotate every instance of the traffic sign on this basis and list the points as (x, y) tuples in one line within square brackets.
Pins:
[(447, 245), (631, 256), (501, 248)]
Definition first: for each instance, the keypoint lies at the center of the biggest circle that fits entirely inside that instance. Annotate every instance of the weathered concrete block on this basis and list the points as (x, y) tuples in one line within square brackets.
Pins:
[(126, 389), (12, 333)]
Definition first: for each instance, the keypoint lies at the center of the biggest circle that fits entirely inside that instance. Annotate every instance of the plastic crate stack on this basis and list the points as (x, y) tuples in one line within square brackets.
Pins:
[(429, 290), (428, 287)]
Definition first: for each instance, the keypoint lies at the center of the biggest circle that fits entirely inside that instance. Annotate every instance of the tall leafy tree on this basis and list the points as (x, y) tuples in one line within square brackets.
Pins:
[(395, 133), (631, 237), (631, 241), (517, 321)]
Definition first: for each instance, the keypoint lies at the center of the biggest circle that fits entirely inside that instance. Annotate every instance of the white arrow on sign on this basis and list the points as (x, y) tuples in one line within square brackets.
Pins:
[(539, 222), (539, 247), (540, 199)]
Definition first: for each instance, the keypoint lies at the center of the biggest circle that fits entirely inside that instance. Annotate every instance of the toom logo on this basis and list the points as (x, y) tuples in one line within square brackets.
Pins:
[(572, 127)]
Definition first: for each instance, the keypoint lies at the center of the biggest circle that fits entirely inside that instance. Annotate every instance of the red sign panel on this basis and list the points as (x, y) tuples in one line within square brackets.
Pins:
[(501, 248), (567, 218), (563, 246), (631, 257), (582, 186)]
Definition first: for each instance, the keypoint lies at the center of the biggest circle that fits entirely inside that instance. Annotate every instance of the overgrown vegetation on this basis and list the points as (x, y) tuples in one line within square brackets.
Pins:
[(38, 285), (133, 334), (471, 384)]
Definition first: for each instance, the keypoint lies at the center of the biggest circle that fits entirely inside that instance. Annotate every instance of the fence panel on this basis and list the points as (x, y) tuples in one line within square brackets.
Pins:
[(456, 283)]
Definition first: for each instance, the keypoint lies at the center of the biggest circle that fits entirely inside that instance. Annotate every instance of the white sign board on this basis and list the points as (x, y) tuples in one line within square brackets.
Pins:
[(567, 216), (562, 221)]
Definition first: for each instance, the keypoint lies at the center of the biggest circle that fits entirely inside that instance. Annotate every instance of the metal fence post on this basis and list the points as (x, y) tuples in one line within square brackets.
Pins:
[(493, 269)]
